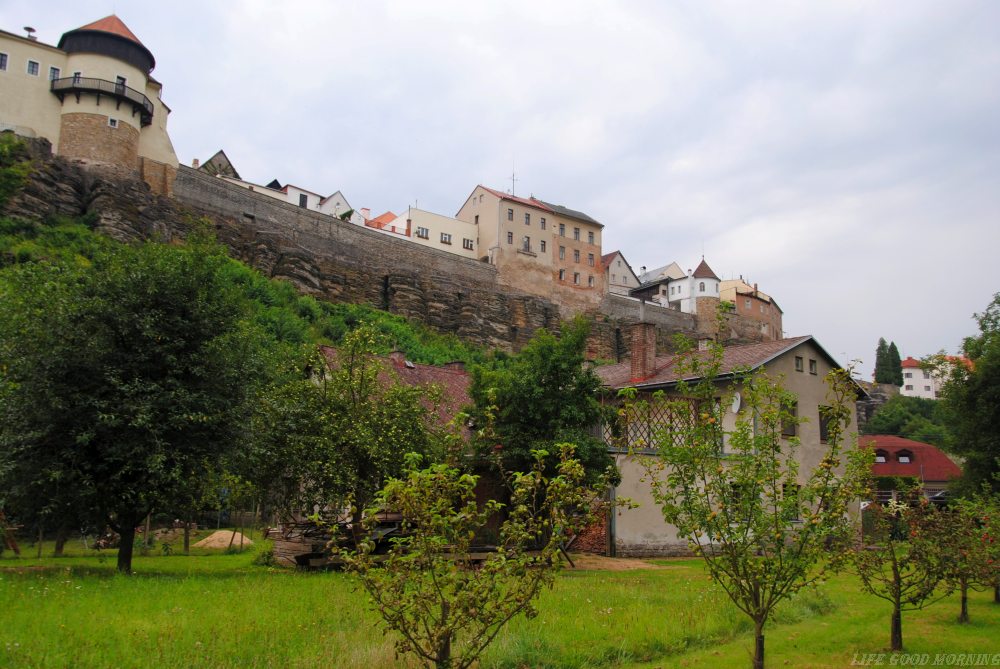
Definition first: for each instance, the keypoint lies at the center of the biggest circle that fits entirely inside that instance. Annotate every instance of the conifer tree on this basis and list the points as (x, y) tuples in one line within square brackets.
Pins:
[(882, 372), (894, 364)]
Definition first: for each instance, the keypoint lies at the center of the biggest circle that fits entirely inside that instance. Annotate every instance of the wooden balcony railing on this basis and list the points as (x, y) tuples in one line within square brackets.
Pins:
[(77, 85)]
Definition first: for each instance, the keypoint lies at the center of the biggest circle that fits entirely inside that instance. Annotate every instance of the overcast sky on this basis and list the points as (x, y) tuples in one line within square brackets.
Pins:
[(845, 156)]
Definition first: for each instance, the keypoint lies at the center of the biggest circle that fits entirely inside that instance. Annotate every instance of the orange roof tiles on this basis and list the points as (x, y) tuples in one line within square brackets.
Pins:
[(114, 25), (703, 271)]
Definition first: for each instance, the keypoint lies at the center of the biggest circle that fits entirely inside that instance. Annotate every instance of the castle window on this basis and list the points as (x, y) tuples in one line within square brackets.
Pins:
[(423, 233), (3, 62), (541, 246), (526, 244), (33, 68), (590, 281), (562, 253), (562, 229), (576, 255), (303, 200), (53, 73), (576, 278), (467, 244), (812, 367), (590, 237), (510, 214), (527, 219), (590, 259), (112, 123), (562, 275), (541, 222), (701, 286), (510, 237), (576, 234)]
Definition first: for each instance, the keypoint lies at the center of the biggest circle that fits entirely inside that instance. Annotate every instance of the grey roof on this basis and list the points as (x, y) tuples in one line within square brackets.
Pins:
[(570, 213)]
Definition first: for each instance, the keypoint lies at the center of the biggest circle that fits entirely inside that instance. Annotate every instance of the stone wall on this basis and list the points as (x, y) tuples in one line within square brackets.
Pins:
[(89, 136)]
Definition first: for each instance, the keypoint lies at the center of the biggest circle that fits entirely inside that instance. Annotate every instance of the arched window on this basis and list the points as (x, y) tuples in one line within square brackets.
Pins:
[(701, 287)]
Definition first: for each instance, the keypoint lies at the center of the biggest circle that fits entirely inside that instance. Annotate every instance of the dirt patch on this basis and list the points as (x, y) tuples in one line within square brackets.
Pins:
[(25, 570), (590, 562), (222, 539)]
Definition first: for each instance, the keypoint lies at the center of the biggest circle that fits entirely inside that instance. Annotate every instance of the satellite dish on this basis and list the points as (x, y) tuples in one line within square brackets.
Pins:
[(737, 402)]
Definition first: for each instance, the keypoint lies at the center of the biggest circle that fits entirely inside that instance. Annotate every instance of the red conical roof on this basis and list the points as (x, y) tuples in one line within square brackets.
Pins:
[(114, 25), (703, 271)]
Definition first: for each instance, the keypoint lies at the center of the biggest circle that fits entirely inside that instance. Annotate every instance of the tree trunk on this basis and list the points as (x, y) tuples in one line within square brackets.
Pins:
[(62, 534), (896, 641), (187, 537), (126, 543), (963, 617), (996, 593), (41, 536), (147, 539), (444, 654), (758, 650)]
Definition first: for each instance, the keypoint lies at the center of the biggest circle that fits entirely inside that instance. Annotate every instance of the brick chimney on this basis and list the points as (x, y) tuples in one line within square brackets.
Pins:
[(643, 351)]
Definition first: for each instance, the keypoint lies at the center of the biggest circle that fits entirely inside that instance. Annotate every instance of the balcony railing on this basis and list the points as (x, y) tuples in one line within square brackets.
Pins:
[(140, 103)]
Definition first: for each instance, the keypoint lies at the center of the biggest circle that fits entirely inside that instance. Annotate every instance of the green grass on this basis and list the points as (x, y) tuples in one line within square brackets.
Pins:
[(220, 610)]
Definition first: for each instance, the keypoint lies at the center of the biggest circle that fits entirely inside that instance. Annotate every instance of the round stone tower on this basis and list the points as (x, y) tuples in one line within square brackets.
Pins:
[(104, 104)]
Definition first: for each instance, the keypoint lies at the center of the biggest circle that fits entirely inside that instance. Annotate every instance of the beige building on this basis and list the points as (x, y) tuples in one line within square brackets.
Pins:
[(618, 274), (91, 95), (539, 247), (440, 232), (754, 305), (801, 364)]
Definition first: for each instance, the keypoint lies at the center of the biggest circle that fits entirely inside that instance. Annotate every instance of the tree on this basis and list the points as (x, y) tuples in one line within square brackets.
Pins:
[(543, 395), (444, 606), (903, 557), (330, 434), (894, 365), (970, 548), (122, 378), (883, 372), (916, 418), (971, 396), (737, 508)]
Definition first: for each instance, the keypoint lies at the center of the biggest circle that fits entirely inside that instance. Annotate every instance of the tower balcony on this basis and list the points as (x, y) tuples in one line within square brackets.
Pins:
[(119, 92)]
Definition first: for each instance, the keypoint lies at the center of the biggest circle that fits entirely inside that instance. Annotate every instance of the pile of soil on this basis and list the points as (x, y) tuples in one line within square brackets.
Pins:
[(222, 538), (591, 562)]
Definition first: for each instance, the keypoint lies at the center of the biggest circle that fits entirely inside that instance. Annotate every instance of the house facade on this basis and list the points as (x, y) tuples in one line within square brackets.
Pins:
[(539, 247), (799, 362), (692, 292), (754, 305), (92, 95), (918, 381), (439, 232), (618, 274)]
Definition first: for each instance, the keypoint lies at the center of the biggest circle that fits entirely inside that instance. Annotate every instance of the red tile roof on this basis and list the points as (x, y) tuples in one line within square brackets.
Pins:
[(382, 219), (538, 204), (910, 363), (734, 358), (703, 271), (927, 462), (114, 25)]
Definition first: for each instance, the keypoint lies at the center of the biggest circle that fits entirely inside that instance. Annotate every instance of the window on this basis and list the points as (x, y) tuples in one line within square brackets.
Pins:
[(671, 290), (510, 237), (812, 367), (880, 456), (746, 304), (3, 62), (701, 286), (476, 221), (120, 84), (562, 229), (527, 219), (927, 387), (541, 222), (789, 420), (467, 244), (562, 275), (303, 200), (562, 253), (423, 233), (909, 387), (445, 238), (33, 68), (614, 278), (590, 259), (510, 214), (526, 244), (576, 234), (927, 375), (824, 423), (798, 363), (576, 278), (576, 255), (76, 77), (112, 122), (53, 73), (905, 457), (590, 281), (663, 291), (590, 237), (908, 375), (541, 246)]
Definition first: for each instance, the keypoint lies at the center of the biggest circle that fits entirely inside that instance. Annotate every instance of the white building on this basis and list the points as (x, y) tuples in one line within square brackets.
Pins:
[(671, 286), (443, 233), (919, 382)]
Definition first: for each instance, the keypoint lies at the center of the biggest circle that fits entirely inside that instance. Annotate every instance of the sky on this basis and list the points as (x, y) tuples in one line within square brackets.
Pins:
[(844, 156)]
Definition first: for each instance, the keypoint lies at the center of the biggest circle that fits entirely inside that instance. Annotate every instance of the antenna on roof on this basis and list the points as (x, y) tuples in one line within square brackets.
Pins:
[(31, 32), (513, 178)]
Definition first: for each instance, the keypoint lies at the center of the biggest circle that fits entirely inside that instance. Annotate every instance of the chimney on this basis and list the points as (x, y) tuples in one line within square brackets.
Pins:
[(754, 287), (643, 351), (195, 163), (366, 212)]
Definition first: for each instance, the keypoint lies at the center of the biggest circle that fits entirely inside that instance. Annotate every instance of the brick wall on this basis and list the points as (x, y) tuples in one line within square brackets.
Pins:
[(89, 136)]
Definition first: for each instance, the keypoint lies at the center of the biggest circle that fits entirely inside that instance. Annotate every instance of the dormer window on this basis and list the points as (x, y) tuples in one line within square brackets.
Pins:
[(905, 457), (881, 456)]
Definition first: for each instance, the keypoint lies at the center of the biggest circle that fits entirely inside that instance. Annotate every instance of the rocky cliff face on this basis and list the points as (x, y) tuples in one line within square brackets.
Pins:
[(320, 255)]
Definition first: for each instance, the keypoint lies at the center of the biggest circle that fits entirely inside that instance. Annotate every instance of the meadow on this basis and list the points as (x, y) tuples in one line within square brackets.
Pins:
[(214, 609)]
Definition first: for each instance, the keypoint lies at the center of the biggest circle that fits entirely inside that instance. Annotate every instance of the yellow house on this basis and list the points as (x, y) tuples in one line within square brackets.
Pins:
[(92, 96), (539, 247)]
